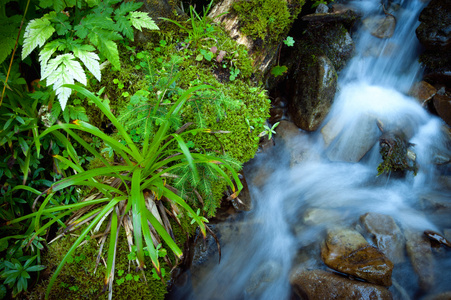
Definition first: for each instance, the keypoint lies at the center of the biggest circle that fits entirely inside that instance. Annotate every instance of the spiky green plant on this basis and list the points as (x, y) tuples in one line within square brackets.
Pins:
[(129, 193)]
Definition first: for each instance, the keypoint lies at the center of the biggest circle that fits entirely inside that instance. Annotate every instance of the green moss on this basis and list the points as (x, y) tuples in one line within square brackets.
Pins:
[(394, 155), (78, 281), (268, 20)]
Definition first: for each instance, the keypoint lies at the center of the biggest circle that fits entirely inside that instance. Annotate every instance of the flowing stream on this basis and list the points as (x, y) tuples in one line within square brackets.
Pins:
[(336, 181)]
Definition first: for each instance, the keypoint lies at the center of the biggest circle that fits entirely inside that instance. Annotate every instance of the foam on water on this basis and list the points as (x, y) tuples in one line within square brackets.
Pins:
[(338, 175)]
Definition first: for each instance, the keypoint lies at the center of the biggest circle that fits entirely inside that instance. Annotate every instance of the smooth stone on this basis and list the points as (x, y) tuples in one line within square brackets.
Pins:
[(309, 107), (419, 250), (381, 27), (386, 235), (348, 252), (442, 104), (423, 92), (320, 285)]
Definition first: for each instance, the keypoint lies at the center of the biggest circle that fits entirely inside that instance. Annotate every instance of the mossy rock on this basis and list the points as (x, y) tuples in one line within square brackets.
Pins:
[(77, 279), (267, 20)]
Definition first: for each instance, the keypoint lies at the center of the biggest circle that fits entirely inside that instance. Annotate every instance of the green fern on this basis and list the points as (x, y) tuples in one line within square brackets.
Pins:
[(98, 27), (205, 186), (9, 27)]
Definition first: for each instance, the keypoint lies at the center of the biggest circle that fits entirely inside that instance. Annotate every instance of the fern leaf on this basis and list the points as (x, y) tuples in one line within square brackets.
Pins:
[(8, 34), (63, 69), (107, 47), (127, 7), (36, 33), (46, 53), (91, 61), (57, 5), (124, 26), (141, 20)]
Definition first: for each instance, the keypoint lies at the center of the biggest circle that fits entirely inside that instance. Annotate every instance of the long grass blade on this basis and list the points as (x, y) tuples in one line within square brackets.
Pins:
[(82, 236), (110, 116), (109, 275), (136, 198)]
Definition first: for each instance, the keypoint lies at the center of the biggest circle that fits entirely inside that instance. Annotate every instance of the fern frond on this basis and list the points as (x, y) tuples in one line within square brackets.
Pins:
[(103, 40), (60, 70), (36, 33), (141, 20), (8, 35), (90, 60)]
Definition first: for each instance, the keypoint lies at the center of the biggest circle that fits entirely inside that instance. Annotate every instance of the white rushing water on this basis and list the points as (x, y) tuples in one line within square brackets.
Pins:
[(336, 181)]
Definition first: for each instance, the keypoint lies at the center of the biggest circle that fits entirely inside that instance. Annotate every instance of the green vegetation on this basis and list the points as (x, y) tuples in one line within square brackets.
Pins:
[(160, 145), (267, 20)]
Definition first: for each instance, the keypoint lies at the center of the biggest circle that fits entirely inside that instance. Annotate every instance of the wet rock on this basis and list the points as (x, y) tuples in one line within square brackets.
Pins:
[(322, 9), (267, 272), (423, 92), (447, 233), (286, 131), (318, 216), (395, 155), (201, 250), (381, 27), (436, 237), (386, 234), (243, 202), (434, 33), (275, 114), (337, 138), (440, 296), (348, 252), (319, 285), (339, 14), (420, 254), (313, 93), (442, 104)]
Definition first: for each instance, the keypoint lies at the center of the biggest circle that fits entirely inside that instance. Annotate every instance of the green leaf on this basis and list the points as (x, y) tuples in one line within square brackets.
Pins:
[(47, 52), (107, 48), (289, 41), (36, 33), (9, 28), (124, 26), (141, 20), (90, 60), (57, 5), (127, 7), (63, 69), (278, 70)]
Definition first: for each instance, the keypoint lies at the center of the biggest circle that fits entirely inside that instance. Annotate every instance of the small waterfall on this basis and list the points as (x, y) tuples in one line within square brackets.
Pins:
[(337, 181)]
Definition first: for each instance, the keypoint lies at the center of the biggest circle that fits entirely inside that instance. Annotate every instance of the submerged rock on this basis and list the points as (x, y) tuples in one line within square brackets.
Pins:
[(319, 285), (244, 201), (437, 238), (420, 253), (313, 93), (442, 104), (395, 155), (348, 252), (381, 27), (386, 234), (423, 92)]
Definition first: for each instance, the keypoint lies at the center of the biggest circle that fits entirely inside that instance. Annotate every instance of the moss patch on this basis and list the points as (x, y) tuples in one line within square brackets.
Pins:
[(267, 20)]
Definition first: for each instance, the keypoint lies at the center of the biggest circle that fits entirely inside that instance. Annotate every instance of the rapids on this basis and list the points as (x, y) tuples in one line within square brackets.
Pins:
[(338, 174)]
